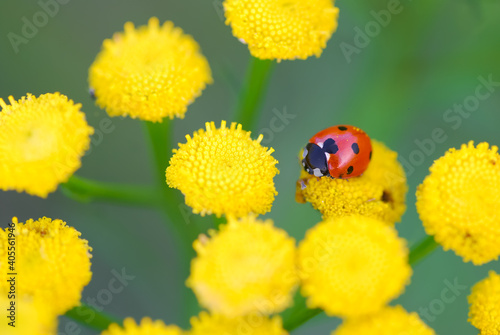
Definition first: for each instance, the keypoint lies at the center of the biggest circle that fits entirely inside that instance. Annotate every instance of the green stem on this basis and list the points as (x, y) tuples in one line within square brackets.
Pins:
[(300, 314), (253, 91), (172, 205), (86, 190), (422, 249), (92, 318)]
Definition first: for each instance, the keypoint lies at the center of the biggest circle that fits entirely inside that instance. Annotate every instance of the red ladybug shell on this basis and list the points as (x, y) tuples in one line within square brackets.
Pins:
[(347, 151)]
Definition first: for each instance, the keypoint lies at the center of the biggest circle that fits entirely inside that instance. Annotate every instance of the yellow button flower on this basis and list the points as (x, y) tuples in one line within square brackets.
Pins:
[(41, 142), (390, 320), (352, 265), (223, 171), (52, 262), (282, 29), (379, 193), (149, 73), (484, 311), (30, 318), (458, 202), (146, 327), (255, 324), (248, 266)]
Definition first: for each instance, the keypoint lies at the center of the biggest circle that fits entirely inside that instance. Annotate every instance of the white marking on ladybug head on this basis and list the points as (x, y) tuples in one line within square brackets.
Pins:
[(303, 163), (320, 144), (305, 153), (317, 172), (327, 156)]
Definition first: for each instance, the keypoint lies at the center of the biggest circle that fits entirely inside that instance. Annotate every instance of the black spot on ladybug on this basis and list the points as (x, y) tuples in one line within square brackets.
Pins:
[(342, 128), (350, 169), (355, 148), (370, 155), (330, 146)]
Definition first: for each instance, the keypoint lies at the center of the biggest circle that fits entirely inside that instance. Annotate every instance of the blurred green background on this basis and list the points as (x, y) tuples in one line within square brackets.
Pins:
[(397, 83)]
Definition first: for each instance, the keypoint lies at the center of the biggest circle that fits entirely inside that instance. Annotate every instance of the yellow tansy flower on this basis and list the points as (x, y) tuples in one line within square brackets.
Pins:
[(41, 142), (484, 311), (458, 202), (30, 318), (352, 265), (52, 261), (254, 324), (146, 327), (379, 193), (149, 73), (223, 171), (248, 266), (390, 320), (282, 29)]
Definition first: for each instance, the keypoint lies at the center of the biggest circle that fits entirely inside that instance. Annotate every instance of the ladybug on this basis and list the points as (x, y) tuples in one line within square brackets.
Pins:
[(338, 152)]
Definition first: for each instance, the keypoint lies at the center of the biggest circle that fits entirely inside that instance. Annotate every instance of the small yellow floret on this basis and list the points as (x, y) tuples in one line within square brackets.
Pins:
[(254, 324), (352, 265), (379, 193), (248, 266), (146, 327), (282, 29), (458, 202), (223, 171), (389, 321), (30, 318), (52, 262), (41, 142), (149, 73), (484, 311)]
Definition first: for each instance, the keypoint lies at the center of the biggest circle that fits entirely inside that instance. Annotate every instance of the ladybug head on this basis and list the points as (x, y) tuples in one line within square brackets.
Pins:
[(314, 160)]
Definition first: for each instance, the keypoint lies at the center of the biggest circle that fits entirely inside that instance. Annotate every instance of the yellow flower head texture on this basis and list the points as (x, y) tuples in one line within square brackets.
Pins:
[(352, 265), (41, 142), (146, 327), (379, 192), (253, 324), (282, 29), (248, 266), (458, 202), (52, 260), (484, 311), (223, 171), (149, 73), (390, 320)]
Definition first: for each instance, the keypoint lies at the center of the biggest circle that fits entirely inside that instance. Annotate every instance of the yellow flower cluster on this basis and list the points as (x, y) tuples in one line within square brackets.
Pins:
[(53, 260), (146, 327), (282, 29), (223, 171), (352, 265), (41, 142), (246, 267), (484, 311), (255, 324), (390, 320), (379, 193), (149, 73), (458, 202)]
